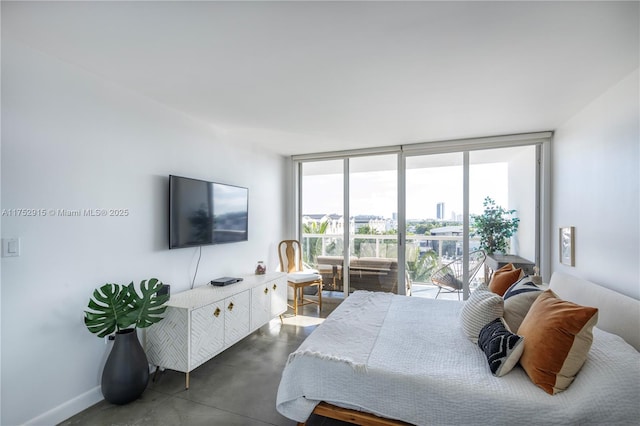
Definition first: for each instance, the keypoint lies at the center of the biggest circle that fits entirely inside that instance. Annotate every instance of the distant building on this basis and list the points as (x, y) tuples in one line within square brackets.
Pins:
[(377, 223), (447, 230), (335, 223), (440, 211)]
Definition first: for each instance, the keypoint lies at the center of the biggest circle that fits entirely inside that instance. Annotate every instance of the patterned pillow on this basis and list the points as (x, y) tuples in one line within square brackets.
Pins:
[(482, 307), (503, 278), (517, 301), (502, 348), (558, 335)]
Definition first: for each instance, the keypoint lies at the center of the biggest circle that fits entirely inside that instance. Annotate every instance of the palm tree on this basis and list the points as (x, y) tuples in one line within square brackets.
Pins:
[(314, 244), (421, 268)]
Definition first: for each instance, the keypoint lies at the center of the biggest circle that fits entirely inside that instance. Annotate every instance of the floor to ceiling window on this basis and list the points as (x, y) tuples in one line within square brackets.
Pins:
[(322, 219), (353, 206), (507, 176), (434, 211), (373, 226)]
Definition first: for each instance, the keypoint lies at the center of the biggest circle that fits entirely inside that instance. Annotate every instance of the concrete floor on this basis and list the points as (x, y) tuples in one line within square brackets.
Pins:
[(237, 387)]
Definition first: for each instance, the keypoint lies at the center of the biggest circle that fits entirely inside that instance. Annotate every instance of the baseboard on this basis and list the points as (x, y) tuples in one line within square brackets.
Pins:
[(68, 409)]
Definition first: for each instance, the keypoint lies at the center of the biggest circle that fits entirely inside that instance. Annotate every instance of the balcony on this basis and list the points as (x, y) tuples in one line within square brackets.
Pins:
[(424, 255)]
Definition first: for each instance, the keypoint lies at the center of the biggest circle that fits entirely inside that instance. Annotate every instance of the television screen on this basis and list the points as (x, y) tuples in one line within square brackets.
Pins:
[(202, 213), (230, 216)]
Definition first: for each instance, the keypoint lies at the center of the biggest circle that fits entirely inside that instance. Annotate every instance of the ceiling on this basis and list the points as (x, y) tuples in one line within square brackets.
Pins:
[(305, 77)]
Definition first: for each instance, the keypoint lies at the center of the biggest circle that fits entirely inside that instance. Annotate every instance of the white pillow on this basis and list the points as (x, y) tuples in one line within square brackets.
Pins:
[(482, 307)]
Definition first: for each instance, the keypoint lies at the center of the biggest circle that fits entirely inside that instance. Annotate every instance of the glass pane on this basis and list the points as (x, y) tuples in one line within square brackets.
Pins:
[(504, 179), (434, 200), (373, 226), (322, 220)]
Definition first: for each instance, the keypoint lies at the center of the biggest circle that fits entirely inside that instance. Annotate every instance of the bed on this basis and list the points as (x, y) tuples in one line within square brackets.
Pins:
[(386, 359)]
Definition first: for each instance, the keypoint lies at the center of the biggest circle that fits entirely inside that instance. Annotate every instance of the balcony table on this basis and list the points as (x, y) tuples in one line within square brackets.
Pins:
[(497, 261)]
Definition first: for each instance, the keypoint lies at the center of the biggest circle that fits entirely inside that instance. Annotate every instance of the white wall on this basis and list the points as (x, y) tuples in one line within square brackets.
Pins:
[(72, 141), (596, 186)]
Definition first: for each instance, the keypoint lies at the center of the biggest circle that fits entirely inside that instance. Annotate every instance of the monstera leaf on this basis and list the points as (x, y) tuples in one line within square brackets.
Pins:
[(147, 308), (114, 307), (109, 310)]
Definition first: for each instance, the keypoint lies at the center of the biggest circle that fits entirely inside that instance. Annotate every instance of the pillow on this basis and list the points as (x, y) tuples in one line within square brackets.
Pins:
[(517, 301), (502, 348), (482, 307), (558, 336), (503, 278), (303, 276)]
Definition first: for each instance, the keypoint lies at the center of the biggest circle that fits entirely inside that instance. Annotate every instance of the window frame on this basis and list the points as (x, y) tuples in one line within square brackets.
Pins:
[(541, 141)]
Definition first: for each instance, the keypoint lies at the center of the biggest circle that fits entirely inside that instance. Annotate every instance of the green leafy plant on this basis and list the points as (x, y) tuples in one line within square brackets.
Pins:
[(422, 265), (314, 244), (115, 307), (494, 226)]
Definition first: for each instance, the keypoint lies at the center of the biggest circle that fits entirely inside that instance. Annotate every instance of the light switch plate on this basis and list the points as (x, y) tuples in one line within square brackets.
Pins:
[(10, 247)]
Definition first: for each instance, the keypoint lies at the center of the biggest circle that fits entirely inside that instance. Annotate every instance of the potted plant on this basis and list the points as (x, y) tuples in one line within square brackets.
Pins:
[(121, 310), (494, 226)]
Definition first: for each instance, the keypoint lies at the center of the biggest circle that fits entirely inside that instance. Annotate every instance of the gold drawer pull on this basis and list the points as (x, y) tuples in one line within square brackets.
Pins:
[(217, 312), (274, 287), (230, 307), (266, 290)]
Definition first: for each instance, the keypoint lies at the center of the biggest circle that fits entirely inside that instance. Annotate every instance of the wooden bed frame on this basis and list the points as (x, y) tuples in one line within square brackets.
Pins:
[(355, 417), (618, 314)]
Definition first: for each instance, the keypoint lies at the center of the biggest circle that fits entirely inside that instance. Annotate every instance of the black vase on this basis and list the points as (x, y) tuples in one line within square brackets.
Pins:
[(126, 373)]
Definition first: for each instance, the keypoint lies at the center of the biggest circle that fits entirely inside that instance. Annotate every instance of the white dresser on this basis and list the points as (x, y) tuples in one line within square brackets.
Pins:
[(200, 323)]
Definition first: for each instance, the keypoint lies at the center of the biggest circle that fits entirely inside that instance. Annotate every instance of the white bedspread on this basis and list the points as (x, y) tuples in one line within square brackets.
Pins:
[(407, 358)]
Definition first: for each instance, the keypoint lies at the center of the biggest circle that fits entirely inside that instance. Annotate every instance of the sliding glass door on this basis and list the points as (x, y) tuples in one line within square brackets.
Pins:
[(373, 226), (507, 177), (367, 220), (322, 220), (409, 211), (434, 220)]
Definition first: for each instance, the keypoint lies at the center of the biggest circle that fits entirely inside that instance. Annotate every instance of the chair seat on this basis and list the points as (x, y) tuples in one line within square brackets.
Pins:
[(448, 280), (299, 278), (302, 277), (449, 276)]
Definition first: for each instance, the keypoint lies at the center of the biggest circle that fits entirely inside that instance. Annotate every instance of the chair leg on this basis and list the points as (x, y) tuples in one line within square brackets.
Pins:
[(295, 301), (319, 298), (439, 290)]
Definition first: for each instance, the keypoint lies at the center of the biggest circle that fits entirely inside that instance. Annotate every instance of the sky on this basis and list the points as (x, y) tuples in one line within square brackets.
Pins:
[(374, 193)]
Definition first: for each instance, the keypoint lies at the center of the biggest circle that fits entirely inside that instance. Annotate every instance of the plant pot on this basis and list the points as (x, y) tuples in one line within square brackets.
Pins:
[(126, 373)]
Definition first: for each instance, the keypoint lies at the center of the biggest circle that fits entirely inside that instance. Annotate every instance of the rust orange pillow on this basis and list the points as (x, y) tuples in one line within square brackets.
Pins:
[(506, 268), (557, 338), (504, 278)]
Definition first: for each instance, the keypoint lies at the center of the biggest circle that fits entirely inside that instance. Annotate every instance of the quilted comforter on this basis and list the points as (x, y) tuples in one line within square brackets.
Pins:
[(408, 359)]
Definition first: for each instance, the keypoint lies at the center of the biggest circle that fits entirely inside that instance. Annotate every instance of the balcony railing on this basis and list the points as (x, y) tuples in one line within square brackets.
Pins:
[(438, 248), (378, 244)]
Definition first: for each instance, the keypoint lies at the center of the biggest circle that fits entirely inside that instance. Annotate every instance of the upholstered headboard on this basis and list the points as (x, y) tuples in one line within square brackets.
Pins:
[(617, 313)]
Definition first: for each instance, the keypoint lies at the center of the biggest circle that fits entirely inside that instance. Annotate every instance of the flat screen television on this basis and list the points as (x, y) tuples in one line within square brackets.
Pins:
[(204, 213)]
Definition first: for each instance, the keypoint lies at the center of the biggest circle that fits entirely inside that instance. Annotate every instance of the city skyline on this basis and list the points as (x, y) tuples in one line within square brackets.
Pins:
[(374, 193)]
